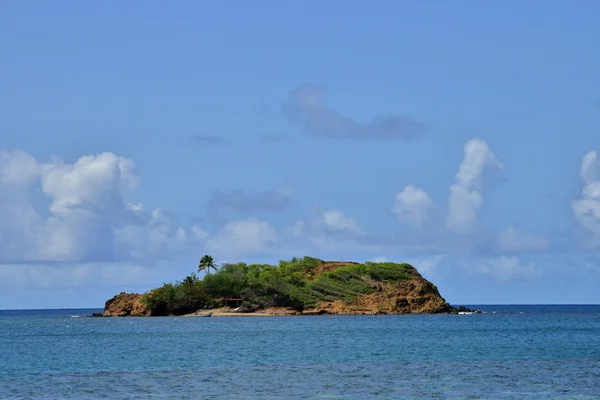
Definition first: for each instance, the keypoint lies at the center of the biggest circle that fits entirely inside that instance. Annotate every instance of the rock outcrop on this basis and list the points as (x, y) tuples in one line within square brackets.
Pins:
[(125, 305), (415, 296)]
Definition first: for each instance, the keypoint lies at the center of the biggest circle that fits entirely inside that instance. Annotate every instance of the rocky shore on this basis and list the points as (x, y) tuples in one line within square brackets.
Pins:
[(125, 305)]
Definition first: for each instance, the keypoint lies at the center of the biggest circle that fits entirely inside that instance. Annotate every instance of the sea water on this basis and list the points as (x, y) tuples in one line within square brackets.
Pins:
[(508, 352)]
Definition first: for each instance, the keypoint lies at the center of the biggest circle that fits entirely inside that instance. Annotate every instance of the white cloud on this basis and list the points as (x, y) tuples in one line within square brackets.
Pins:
[(76, 213), (92, 181), (514, 240), (137, 208), (413, 206), (478, 158), (465, 199), (590, 168), (243, 237), (587, 208), (504, 268), (463, 206), (17, 168), (336, 220), (152, 234)]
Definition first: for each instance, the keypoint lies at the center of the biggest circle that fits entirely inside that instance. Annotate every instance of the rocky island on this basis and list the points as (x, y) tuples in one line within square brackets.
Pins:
[(301, 286)]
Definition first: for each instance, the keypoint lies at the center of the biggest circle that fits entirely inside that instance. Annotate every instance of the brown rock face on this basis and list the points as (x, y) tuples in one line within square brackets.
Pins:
[(125, 305), (415, 296)]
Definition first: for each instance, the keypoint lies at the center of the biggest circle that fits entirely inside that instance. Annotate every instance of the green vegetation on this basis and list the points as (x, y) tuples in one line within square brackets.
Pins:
[(298, 283), (206, 263)]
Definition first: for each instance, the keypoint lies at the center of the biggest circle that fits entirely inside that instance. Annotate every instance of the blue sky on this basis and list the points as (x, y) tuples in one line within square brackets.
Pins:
[(457, 136)]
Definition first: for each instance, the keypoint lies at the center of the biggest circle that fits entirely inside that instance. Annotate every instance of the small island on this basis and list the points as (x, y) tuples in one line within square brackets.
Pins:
[(300, 286)]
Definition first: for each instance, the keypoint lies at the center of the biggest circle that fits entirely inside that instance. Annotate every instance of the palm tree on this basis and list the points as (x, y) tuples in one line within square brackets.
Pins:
[(190, 279), (206, 263)]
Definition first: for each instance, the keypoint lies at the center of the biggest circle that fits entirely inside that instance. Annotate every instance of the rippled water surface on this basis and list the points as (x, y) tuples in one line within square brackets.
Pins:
[(510, 352)]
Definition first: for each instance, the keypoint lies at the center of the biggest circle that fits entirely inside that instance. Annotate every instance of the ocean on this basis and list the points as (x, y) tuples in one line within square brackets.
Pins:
[(508, 352)]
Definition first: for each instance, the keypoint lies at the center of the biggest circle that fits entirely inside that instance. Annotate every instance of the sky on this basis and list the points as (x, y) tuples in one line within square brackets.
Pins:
[(460, 137)]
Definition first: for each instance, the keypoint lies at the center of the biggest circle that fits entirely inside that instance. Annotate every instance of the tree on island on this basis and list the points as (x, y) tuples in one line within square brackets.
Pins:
[(190, 280), (206, 263)]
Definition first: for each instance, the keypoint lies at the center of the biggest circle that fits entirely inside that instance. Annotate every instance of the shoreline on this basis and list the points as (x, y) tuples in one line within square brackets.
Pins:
[(285, 312), (230, 314), (259, 315), (221, 314), (308, 314), (274, 312)]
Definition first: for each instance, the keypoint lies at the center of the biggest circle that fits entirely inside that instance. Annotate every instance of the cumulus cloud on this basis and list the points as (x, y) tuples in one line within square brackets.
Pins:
[(465, 198), (306, 105), (275, 200), (586, 209), (17, 170), (504, 269), (337, 220), (208, 140), (152, 233), (413, 206), (92, 182), (75, 212), (244, 237)]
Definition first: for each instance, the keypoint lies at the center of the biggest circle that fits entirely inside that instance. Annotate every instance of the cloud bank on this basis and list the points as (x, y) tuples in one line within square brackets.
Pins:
[(76, 212), (76, 219)]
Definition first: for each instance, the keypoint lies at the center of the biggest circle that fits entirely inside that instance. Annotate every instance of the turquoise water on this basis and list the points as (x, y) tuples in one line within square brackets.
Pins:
[(510, 352)]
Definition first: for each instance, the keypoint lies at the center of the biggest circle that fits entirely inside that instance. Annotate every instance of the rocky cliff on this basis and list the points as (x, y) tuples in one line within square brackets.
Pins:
[(417, 296), (414, 296), (125, 305)]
